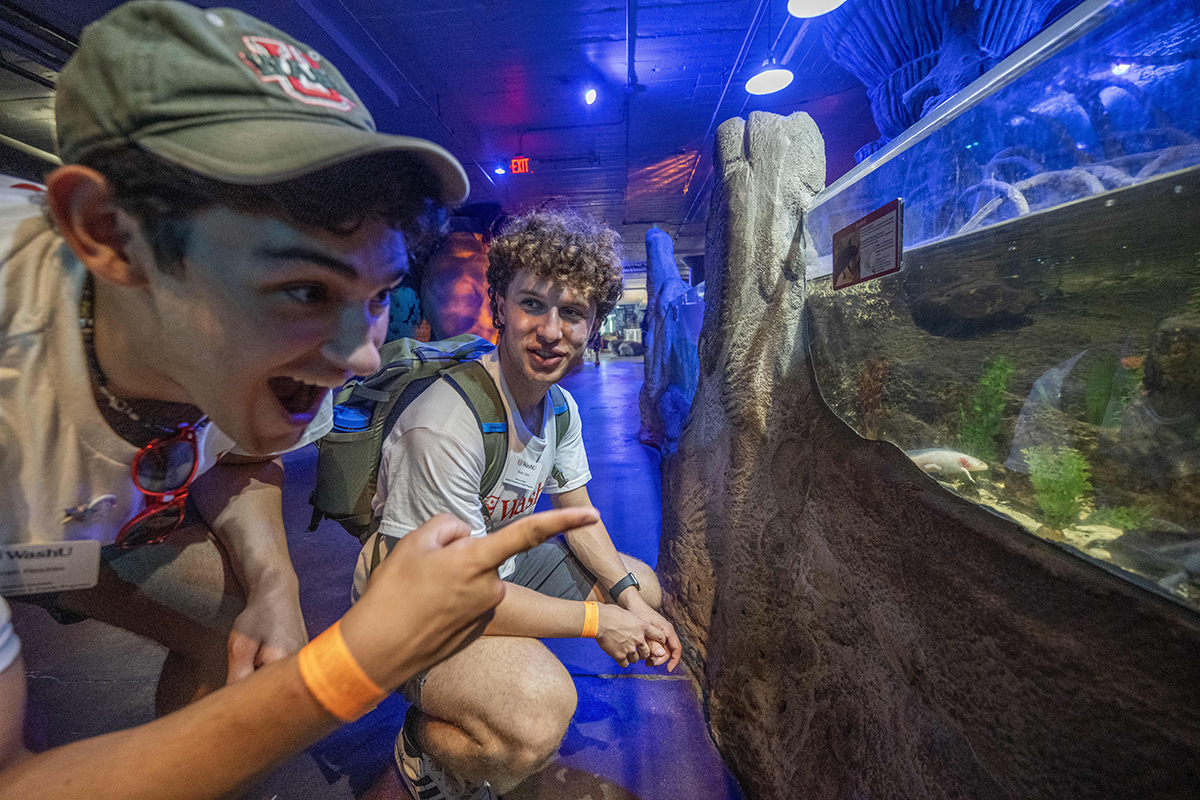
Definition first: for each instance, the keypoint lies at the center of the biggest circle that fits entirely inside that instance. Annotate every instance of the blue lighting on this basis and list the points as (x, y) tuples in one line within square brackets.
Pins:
[(590, 96), (1120, 69)]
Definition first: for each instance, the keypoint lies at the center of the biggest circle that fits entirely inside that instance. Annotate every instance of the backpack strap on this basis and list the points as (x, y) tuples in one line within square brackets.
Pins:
[(562, 421), (473, 383)]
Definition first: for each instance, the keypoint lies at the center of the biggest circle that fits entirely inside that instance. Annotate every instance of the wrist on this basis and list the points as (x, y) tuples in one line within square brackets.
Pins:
[(591, 620), (336, 679), (275, 581), (631, 599)]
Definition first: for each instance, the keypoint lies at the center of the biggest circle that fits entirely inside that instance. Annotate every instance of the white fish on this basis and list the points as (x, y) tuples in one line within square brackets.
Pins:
[(946, 462)]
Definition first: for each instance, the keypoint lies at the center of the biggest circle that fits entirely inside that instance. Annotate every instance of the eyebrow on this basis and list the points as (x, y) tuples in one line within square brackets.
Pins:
[(322, 260), (540, 296)]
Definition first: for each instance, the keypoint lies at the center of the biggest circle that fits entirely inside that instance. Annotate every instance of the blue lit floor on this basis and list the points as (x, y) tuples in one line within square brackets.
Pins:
[(638, 734)]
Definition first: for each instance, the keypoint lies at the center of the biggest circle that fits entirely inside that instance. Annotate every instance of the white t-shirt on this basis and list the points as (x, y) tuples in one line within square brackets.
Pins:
[(60, 462), (433, 461), (64, 474)]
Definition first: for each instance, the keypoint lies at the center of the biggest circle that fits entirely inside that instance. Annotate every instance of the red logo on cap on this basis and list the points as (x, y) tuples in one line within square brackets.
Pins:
[(299, 74)]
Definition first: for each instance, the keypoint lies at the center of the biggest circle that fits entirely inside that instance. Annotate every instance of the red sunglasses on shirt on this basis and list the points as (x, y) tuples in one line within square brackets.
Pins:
[(162, 470)]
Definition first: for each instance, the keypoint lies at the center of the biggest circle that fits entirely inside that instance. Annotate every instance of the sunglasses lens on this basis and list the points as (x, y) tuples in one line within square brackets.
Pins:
[(166, 466), (153, 528)]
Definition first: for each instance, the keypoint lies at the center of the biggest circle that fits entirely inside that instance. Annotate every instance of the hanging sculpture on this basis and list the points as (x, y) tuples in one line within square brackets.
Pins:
[(913, 55)]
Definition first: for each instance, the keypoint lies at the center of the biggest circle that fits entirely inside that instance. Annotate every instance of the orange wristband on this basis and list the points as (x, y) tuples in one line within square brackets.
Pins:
[(591, 619), (335, 678)]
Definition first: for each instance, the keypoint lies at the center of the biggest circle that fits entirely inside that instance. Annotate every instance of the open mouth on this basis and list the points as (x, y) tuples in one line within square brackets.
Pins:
[(299, 399)]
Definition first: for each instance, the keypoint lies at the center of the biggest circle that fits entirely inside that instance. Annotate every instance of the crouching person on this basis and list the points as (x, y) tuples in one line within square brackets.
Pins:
[(484, 720)]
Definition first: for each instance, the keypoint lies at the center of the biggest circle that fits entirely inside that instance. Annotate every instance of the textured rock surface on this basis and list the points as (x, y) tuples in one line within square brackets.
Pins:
[(858, 632), (671, 360)]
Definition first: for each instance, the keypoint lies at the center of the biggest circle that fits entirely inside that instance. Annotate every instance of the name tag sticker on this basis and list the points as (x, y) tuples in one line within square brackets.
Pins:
[(524, 476), (48, 567)]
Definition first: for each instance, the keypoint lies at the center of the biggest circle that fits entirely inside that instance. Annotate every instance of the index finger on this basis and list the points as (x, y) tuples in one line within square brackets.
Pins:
[(496, 548)]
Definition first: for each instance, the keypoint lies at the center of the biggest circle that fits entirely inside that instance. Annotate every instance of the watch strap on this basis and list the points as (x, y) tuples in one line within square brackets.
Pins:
[(622, 585)]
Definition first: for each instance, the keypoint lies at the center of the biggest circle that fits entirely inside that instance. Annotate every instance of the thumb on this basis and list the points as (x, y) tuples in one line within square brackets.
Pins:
[(242, 652)]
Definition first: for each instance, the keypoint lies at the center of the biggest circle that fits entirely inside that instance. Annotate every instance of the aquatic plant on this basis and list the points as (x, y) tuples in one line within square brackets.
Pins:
[(1108, 387), (980, 422), (1061, 481), (1192, 306), (1126, 381), (1127, 518)]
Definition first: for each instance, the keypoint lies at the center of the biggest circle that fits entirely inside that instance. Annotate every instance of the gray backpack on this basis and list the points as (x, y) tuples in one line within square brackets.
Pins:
[(366, 410)]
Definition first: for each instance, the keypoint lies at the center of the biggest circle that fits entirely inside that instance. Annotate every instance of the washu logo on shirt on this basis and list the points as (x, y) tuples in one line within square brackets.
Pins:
[(60, 551), (512, 507)]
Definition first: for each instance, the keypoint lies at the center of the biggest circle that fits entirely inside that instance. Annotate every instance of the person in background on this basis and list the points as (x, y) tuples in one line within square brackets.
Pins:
[(215, 255)]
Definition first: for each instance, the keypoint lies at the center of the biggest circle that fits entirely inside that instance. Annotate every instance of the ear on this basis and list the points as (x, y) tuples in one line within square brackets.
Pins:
[(500, 311), (97, 231)]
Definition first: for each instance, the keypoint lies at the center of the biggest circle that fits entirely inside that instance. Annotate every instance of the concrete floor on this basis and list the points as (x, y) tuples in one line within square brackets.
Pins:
[(637, 733)]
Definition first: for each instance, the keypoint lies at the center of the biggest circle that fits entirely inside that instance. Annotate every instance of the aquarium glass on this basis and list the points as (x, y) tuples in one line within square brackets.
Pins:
[(1039, 353)]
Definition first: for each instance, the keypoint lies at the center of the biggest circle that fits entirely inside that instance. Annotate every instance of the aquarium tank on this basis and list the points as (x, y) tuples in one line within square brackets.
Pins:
[(1039, 351)]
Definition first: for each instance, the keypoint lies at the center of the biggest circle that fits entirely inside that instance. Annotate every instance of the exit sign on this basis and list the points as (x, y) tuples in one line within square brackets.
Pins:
[(519, 165)]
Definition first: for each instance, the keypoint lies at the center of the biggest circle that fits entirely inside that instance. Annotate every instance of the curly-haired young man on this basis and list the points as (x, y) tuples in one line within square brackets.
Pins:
[(493, 714)]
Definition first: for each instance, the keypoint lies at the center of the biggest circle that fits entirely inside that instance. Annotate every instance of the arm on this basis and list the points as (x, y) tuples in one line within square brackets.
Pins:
[(593, 547), (214, 746), (241, 500)]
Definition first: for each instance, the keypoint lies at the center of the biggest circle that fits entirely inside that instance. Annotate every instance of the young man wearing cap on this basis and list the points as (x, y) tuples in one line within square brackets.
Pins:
[(215, 255), (487, 718)]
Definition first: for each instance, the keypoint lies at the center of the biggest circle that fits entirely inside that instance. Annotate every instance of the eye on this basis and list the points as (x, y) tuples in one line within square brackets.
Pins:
[(381, 301), (572, 314), (531, 305), (307, 293)]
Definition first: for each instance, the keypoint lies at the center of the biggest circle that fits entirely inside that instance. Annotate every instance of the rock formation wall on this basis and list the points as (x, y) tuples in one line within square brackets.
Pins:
[(858, 632)]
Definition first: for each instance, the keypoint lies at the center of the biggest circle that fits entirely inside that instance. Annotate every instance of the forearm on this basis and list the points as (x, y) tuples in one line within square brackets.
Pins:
[(595, 550), (243, 505), (208, 749), (524, 612), (591, 544)]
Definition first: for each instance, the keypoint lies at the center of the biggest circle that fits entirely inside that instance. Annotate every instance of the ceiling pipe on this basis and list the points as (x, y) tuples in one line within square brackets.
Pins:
[(631, 80), (30, 150), (737, 65)]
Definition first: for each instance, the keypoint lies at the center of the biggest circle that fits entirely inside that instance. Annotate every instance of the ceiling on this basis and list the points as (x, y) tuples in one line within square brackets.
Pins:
[(491, 80)]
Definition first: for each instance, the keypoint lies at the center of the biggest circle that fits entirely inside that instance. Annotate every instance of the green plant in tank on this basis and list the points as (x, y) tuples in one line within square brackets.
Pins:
[(1128, 518), (1098, 390), (980, 421), (1061, 482)]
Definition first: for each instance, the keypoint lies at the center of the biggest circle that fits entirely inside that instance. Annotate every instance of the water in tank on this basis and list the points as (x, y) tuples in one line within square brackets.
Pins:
[(1039, 353)]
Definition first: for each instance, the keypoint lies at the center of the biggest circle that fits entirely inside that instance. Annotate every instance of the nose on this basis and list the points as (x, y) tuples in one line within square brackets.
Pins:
[(354, 343), (551, 328)]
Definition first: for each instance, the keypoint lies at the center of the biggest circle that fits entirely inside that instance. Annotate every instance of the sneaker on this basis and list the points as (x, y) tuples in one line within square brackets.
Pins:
[(425, 780)]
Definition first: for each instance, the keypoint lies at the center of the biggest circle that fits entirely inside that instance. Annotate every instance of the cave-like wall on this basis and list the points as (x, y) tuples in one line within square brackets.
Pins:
[(858, 632)]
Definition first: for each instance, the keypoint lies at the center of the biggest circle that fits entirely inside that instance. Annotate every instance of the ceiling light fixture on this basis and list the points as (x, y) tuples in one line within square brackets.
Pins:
[(771, 76), (500, 170), (589, 97), (812, 8)]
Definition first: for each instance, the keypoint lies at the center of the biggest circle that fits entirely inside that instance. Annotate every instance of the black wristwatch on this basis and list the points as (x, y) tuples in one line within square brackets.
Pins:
[(623, 584)]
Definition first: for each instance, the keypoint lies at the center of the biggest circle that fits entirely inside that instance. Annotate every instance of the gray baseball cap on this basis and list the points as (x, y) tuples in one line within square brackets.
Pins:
[(224, 95)]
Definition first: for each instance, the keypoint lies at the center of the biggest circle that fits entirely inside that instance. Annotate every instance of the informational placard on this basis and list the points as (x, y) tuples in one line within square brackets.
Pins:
[(869, 248)]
